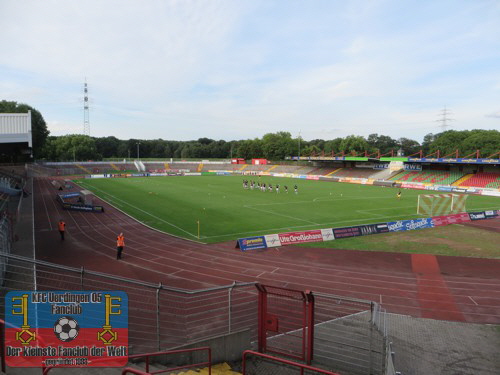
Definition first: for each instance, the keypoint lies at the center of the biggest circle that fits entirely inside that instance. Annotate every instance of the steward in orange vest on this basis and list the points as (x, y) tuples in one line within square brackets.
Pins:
[(120, 243), (61, 226)]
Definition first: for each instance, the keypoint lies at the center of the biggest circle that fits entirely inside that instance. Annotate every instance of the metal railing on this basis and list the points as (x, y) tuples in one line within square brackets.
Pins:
[(160, 317)]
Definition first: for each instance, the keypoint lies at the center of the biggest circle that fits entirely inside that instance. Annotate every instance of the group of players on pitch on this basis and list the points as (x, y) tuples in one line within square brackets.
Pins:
[(252, 185)]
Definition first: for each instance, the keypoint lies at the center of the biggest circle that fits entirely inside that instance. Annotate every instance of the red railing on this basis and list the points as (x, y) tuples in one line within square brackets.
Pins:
[(289, 312), (130, 370), (300, 366)]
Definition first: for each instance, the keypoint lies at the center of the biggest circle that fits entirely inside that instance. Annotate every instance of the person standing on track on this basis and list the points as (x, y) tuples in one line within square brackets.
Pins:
[(120, 243), (62, 227)]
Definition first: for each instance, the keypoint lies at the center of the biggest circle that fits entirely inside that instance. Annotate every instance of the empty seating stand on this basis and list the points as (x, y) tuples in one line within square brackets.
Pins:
[(432, 177), (484, 179)]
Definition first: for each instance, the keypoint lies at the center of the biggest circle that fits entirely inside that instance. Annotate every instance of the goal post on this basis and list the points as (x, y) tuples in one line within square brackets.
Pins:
[(441, 204)]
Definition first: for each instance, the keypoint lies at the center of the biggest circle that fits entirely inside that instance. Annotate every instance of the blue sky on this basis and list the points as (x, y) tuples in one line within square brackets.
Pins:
[(238, 69)]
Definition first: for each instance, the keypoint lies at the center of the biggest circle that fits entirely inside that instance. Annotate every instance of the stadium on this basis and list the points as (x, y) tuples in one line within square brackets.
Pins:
[(267, 281)]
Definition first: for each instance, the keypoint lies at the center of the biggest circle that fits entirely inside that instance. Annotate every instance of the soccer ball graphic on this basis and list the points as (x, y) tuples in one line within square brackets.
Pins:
[(66, 328)]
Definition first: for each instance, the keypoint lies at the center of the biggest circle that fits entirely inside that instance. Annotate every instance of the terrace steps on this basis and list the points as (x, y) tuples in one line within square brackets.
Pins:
[(114, 167), (273, 167), (460, 181), (167, 166), (86, 170), (243, 167), (333, 172), (200, 167)]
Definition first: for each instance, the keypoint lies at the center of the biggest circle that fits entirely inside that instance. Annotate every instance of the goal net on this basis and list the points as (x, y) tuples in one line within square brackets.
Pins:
[(441, 204)]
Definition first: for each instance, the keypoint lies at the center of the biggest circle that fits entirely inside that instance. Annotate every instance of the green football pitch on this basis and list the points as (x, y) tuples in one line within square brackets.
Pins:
[(214, 209)]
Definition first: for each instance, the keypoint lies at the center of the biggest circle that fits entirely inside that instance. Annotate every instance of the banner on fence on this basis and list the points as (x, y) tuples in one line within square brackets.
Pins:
[(360, 230), (291, 238), (450, 219), (413, 186), (403, 225), (272, 240), (477, 215), (251, 243), (66, 328)]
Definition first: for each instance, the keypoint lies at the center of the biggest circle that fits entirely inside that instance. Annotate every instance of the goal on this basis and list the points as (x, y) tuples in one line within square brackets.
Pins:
[(441, 204)]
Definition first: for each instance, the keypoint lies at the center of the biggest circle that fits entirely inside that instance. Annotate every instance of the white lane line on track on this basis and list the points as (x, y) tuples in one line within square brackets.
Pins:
[(477, 304), (47, 212)]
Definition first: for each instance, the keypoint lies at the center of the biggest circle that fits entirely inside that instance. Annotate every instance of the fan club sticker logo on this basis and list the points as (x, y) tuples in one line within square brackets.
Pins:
[(66, 328)]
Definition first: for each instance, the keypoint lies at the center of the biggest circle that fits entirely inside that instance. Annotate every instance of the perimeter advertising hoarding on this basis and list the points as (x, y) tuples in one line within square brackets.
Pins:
[(477, 215), (291, 238), (413, 186), (66, 328), (491, 214), (360, 230), (251, 243), (403, 225), (272, 240), (450, 219)]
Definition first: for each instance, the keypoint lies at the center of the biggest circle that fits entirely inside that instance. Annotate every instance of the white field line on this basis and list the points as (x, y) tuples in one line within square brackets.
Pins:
[(369, 212), (283, 215), (327, 225), (147, 213)]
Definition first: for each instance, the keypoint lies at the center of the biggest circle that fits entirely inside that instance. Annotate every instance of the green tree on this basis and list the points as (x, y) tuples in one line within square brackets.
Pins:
[(487, 141), (108, 146), (427, 143), (277, 146), (39, 131), (71, 147), (354, 143), (333, 145), (409, 146), (448, 141), (383, 143)]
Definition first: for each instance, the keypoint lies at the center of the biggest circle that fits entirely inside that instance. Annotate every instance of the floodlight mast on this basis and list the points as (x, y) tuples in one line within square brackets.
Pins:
[(86, 120)]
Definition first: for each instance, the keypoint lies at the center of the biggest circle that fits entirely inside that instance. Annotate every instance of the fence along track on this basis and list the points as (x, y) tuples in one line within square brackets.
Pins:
[(159, 317), (350, 333)]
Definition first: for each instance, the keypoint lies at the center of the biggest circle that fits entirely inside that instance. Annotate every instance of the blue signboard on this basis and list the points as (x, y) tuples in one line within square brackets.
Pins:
[(455, 160), (403, 225), (251, 243)]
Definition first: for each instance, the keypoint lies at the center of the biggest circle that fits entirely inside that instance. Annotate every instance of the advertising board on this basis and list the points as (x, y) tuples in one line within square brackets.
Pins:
[(251, 243), (404, 225), (450, 219)]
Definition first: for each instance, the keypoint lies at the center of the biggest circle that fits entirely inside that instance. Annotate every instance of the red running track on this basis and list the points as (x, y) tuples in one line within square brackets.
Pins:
[(439, 287)]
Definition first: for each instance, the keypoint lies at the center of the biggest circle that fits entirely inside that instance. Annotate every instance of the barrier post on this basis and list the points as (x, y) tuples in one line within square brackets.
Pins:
[(310, 328), (158, 315)]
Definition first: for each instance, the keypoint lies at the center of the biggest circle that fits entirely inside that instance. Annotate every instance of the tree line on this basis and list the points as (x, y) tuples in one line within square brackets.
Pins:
[(273, 146)]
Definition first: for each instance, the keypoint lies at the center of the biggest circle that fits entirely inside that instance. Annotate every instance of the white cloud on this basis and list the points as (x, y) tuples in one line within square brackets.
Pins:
[(234, 70)]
